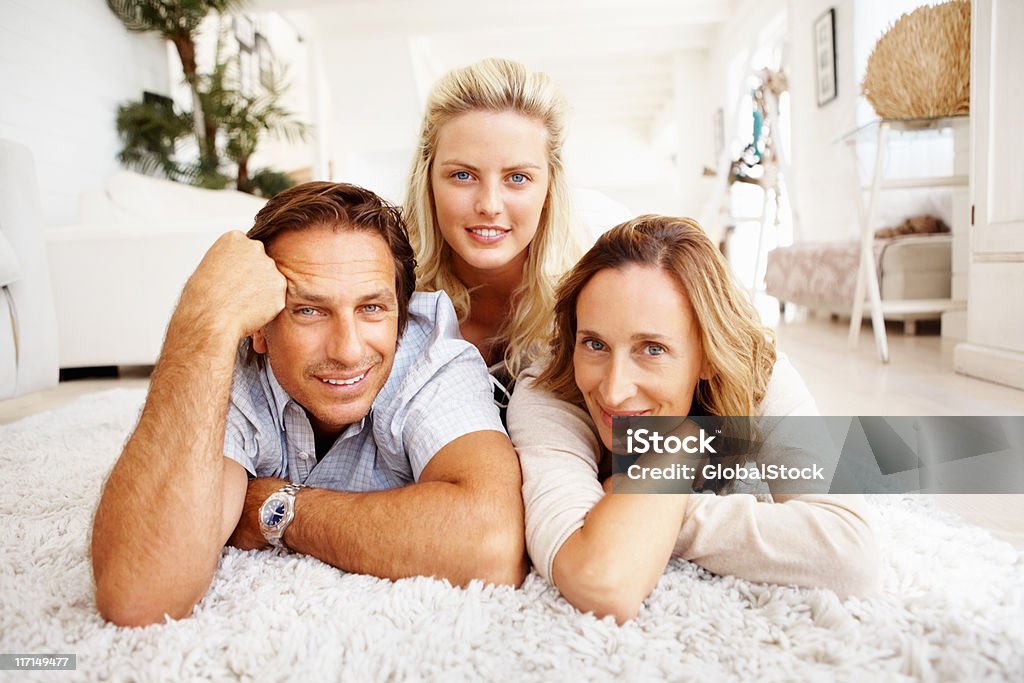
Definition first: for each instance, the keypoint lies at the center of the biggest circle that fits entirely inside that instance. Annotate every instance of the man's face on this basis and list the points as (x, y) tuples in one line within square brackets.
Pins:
[(333, 345)]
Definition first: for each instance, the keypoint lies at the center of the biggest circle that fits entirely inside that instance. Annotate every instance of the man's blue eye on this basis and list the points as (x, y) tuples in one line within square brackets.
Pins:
[(372, 308), (306, 310), (655, 349)]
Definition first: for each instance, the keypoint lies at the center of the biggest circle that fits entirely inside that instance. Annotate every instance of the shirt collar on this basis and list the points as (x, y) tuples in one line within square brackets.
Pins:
[(278, 394)]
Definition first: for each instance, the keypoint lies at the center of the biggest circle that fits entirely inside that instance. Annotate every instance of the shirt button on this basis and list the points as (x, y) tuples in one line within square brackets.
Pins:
[(304, 455)]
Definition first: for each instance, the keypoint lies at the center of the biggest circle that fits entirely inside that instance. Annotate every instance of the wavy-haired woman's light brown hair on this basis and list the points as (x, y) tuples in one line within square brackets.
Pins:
[(497, 85), (739, 349)]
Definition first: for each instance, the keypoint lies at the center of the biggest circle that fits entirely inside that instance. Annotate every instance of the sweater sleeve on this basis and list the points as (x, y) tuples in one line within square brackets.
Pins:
[(558, 451), (822, 540)]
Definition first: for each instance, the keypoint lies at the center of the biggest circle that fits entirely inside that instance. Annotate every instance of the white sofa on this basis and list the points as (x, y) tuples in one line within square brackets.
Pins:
[(28, 340), (116, 276)]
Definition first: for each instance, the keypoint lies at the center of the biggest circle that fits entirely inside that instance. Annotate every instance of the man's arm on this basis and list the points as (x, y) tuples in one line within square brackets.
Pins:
[(173, 498), (463, 520)]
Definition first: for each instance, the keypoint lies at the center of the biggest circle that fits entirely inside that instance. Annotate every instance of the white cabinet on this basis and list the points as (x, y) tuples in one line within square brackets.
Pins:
[(995, 318)]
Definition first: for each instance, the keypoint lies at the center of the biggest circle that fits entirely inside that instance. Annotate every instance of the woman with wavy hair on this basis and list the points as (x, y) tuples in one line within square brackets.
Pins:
[(488, 209), (650, 323)]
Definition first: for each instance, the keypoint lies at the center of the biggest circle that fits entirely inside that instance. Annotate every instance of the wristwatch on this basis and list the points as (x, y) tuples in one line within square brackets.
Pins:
[(277, 512)]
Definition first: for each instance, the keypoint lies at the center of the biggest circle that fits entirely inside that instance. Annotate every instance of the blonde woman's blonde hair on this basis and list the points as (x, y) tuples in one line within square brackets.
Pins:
[(740, 351), (497, 85)]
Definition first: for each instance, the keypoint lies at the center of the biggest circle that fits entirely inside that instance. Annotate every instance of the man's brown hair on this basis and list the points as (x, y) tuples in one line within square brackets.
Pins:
[(341, 206)]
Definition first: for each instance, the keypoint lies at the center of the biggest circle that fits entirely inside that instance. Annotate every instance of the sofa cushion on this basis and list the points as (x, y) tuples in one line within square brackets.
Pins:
[(128, 196)]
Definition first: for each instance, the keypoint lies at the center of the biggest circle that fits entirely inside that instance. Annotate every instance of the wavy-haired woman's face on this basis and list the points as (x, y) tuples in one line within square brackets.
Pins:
[(637, 349), (490, 181)]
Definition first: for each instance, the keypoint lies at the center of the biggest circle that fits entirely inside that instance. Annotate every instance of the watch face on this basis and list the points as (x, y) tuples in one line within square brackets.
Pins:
[(272, 512)]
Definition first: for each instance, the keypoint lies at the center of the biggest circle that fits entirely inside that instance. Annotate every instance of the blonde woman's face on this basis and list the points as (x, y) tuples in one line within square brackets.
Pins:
[(490, 182), (638, 349)]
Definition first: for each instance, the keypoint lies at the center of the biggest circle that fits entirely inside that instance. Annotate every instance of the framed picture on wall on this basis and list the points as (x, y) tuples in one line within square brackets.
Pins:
[(825, 56)]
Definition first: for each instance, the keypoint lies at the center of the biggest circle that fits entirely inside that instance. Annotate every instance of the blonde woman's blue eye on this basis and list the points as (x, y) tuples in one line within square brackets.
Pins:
[(461, 175), (655, 349), (518, 178)]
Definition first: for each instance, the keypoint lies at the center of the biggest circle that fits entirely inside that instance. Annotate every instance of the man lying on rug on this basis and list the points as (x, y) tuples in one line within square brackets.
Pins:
[(365, 419)]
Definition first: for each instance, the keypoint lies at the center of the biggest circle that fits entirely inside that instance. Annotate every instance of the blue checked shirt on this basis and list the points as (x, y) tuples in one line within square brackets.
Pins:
[(438, 390)]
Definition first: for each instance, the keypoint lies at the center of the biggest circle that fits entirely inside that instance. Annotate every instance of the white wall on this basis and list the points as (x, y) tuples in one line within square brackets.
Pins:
[(824, 182), (696, 144), (375, 116), (375, 122), (65, 65), (623, 164), (378, 83)]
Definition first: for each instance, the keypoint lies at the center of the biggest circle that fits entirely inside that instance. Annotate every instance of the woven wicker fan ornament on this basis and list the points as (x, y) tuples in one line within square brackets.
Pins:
[(921, 67)]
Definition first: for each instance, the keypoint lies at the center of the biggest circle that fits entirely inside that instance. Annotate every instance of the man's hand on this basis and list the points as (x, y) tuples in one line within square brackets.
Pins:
[(247, 535), (236, 285)]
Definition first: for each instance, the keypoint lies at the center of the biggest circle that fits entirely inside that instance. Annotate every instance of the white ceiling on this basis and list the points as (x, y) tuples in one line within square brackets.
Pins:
[(614, 59)]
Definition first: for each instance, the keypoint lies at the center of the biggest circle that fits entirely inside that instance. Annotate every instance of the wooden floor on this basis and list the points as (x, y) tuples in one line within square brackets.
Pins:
[(918, 380)]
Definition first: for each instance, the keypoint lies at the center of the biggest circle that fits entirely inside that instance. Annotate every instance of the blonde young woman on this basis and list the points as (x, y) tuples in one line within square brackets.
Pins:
[(649, 322), (488, 208)]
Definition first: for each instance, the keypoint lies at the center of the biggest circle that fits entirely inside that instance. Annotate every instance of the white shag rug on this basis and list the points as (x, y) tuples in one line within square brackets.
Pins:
[(953, 607)]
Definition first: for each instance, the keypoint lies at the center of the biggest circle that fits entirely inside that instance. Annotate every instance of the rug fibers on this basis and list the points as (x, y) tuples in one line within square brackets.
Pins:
[(952, 608)]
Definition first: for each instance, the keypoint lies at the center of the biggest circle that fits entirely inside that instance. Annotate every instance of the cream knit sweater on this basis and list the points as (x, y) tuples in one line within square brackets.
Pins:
[(806, 540)]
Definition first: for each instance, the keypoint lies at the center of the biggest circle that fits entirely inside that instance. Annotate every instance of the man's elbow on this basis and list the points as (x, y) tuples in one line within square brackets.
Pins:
[(502, 559), (140, 608), (131, 614)]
